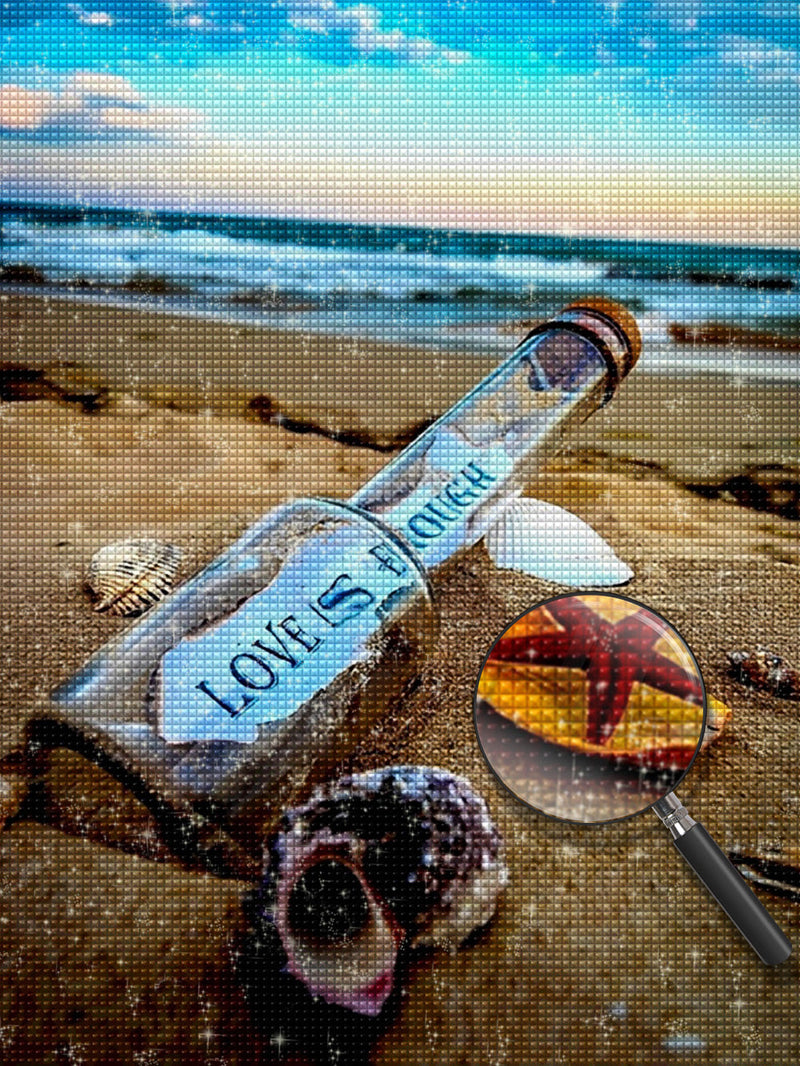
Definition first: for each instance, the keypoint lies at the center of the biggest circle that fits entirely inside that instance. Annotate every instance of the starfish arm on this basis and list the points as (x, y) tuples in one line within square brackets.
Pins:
[(609, 682), (638, 632), (544, 649), (574, 615), (661, 673)]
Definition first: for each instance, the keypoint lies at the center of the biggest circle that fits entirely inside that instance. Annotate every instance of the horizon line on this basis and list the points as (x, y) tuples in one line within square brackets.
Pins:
[(200, 213)]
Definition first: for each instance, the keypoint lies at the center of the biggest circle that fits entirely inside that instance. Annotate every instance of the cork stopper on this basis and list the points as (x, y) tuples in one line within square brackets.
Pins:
[(621, 322)]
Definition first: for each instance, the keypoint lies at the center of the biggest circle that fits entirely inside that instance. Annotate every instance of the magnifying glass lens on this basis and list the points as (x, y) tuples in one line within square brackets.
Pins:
[(590, 708)]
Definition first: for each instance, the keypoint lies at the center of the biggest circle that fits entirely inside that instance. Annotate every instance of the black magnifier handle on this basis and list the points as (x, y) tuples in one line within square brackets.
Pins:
[(724, 882)]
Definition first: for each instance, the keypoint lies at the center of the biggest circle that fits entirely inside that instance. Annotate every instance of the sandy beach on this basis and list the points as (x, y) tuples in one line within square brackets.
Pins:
[(605, 948)]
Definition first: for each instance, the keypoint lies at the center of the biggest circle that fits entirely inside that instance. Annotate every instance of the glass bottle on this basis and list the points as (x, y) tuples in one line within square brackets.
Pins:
[(226, 700)]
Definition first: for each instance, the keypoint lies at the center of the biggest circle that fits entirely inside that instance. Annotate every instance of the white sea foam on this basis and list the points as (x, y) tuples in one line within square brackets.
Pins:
[(434, 290)]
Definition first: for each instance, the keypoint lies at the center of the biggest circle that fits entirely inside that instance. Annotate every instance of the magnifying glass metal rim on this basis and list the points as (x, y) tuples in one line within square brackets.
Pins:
[(605, 821)]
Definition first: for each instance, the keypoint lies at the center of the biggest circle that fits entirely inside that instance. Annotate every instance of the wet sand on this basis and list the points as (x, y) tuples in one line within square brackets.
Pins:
[(605, 948), (380, 394)]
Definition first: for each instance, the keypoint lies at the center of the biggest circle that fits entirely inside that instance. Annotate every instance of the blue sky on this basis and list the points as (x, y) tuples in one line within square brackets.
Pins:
[(654, 118)]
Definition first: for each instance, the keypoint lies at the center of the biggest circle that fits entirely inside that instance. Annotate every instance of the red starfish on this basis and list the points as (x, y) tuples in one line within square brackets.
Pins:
[(614, 656)]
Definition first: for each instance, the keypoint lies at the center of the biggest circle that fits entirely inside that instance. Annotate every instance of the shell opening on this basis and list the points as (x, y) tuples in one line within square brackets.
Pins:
[(339, 940), (328, 904)]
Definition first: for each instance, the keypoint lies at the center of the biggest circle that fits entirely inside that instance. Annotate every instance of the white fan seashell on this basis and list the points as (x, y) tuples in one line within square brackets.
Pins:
[(548, 542), (132, 575)]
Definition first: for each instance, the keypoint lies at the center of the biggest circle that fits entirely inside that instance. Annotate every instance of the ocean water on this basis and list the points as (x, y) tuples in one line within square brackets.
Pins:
[(445, 289)]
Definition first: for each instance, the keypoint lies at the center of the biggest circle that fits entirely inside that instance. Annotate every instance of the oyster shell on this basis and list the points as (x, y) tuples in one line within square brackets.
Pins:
[(405, 853), (131, 575)]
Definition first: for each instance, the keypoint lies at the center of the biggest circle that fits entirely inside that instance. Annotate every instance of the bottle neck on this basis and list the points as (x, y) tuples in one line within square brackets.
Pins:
[(445, 491)]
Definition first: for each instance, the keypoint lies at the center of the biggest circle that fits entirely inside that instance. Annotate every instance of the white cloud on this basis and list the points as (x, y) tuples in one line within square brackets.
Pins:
[(764, 59), (91, 18), (90, 104), (361, 27), (93, 88), (682, 15), (747, 82), (195, 22), (160, 121), (25, 110), (310, 24)]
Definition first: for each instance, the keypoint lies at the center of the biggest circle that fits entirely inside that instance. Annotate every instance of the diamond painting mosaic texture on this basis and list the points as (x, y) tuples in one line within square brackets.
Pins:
[(591, 708), (249, 253)]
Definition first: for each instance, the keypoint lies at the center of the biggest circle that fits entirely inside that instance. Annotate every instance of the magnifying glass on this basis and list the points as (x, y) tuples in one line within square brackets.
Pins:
[(591, 708)]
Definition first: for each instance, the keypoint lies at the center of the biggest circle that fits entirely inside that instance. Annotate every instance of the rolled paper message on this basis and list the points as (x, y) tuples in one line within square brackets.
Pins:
[(220, 704)]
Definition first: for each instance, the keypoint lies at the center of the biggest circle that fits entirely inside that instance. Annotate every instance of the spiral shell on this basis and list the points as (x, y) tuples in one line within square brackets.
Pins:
[(370, 861), (131, 575)]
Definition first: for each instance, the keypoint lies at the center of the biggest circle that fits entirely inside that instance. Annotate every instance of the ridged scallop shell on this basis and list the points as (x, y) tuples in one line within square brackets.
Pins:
[(132, 575), (370, 861)]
